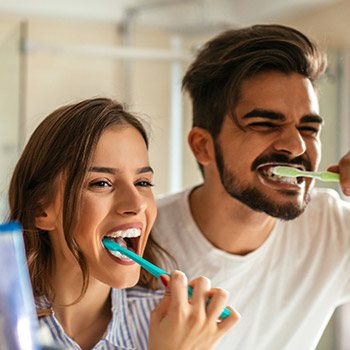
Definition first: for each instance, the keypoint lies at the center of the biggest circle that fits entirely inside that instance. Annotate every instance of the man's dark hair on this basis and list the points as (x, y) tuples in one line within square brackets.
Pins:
[(215, 77)]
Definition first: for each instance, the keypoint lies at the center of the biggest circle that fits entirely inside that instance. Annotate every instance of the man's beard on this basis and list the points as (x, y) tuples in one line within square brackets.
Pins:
[(254, 198)]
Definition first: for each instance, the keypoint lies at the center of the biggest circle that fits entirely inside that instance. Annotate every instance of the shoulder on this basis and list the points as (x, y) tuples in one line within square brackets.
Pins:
[(171, 200), (326, 218), (173, 210), (327, 199)]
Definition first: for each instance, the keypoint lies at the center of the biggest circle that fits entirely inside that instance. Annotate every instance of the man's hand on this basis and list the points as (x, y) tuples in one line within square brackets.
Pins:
[(343, 168)]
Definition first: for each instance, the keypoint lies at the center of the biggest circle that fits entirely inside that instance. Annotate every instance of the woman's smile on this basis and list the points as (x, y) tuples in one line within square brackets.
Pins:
[(128, 236)]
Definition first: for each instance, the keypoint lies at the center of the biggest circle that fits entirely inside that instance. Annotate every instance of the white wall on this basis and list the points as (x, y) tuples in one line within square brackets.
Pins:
[(56, 79), (9, 104)]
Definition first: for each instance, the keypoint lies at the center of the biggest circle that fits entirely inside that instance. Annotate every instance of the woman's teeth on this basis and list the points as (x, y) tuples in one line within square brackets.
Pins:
[(130, 232), (123, 237), (120, 255)]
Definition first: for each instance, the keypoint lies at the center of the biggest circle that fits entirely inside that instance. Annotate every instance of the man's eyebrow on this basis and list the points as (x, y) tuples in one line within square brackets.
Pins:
[(272, 115), (113, 171), (312, 118), (264, 113)]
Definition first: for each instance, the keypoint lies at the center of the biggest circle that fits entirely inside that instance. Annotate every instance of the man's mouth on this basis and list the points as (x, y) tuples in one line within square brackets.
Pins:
[(128, 239), (265, 171)]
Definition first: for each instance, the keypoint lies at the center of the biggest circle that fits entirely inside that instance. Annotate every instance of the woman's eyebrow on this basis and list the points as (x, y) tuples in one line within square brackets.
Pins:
[(113, 171), (102, 169), (145, 169)]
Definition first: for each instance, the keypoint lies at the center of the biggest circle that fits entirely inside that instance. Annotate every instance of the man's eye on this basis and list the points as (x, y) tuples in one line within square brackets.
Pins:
[(308, 130), (262, 125)]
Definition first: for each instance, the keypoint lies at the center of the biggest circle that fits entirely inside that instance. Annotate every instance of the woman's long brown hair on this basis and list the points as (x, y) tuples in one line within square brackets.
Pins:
[(62, 144)]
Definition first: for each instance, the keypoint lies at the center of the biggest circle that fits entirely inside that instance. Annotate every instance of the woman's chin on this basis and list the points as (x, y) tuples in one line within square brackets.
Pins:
[(125, 281)]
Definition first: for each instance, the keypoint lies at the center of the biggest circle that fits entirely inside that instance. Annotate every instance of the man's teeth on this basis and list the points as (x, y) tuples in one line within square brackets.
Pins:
[(129, 233), (277, 178)]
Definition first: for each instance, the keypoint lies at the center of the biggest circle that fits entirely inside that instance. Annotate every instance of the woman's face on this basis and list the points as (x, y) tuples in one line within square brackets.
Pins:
[(117, 200)]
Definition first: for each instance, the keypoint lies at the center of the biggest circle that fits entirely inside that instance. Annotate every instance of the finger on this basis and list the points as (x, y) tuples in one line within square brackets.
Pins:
[(201, 287), (333, 168), (178, 290), (218, 301), (230, 320), (165, 279), (163, 306), (344, 174)]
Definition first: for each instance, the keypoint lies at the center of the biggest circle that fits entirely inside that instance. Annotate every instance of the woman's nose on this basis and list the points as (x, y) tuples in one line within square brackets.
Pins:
[(130, 201), (290, 141)]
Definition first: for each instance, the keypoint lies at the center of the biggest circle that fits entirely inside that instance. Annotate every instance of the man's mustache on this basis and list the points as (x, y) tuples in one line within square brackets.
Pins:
[(282, 159)]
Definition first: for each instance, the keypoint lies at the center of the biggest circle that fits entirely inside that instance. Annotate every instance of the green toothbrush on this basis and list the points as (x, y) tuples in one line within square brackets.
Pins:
[(294, 172)]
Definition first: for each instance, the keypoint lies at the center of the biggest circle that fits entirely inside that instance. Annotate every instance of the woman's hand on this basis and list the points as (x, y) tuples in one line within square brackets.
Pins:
[(178, 323), (343, 168)]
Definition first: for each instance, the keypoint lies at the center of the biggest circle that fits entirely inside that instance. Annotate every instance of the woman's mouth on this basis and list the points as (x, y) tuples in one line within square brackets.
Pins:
[(128, 239)]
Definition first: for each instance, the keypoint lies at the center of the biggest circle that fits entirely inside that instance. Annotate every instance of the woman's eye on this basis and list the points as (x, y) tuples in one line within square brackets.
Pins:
[(100, 184), (144, 183)]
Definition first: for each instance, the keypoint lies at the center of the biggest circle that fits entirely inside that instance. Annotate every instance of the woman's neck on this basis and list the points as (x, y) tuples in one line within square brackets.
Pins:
[(85, 320)]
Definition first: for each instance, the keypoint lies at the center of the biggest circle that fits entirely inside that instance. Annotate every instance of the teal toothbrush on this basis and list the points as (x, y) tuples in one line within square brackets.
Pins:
[(293, 172), (153, 269)]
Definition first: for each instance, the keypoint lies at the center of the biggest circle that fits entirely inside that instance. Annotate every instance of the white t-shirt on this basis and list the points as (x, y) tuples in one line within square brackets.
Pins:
[(288, 288)]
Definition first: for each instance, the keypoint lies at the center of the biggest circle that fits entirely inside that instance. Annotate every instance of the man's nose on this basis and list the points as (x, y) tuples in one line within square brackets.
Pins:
[(290, 141)]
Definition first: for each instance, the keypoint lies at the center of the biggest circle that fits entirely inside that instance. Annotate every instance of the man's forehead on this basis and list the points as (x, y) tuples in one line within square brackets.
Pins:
[(277, 91)]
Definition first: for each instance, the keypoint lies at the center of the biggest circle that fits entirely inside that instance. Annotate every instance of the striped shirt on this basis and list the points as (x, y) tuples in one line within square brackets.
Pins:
[(128, 328)]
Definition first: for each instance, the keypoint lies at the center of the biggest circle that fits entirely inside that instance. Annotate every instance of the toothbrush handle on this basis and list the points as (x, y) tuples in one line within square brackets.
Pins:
[(328, 176), (225, 312)]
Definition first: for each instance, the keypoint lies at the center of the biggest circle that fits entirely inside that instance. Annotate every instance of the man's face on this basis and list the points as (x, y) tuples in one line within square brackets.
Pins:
[(280, 125)]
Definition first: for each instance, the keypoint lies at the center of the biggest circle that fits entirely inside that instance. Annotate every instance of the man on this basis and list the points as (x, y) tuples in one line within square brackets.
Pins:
[(279, 246)]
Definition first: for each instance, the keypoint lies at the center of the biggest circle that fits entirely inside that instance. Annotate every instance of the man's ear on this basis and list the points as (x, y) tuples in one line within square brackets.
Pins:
[(202, 145), (44, 219)]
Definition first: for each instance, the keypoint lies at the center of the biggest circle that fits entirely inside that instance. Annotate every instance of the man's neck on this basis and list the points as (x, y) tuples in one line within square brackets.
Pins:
[(227, 223)]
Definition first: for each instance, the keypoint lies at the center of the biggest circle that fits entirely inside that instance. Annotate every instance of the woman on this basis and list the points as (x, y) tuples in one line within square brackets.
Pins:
[(84, 175)]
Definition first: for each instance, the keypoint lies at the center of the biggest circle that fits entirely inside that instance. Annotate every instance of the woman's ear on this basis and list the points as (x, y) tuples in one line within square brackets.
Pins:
[(44, 219), (201, 144)]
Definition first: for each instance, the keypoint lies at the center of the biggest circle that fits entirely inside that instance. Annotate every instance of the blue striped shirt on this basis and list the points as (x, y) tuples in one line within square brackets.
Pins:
[(128, 328)]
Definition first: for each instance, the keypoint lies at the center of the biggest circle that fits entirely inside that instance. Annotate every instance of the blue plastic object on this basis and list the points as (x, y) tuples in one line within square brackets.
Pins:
[(151, 268), (18, 322)]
